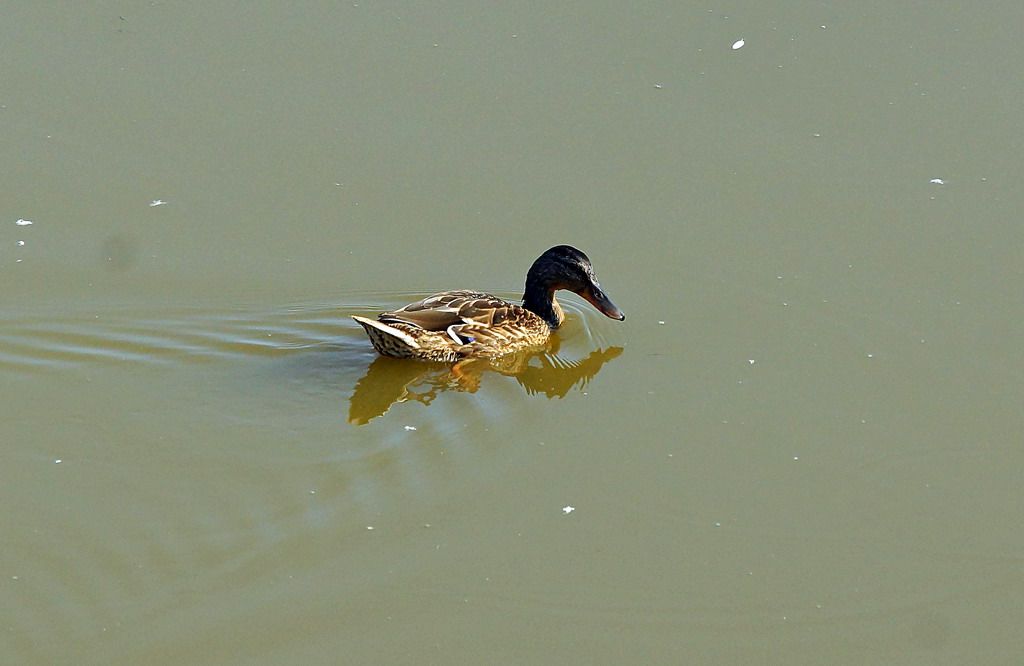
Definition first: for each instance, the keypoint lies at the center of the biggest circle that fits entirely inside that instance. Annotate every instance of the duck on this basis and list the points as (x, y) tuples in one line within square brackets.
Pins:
[(452, 326)]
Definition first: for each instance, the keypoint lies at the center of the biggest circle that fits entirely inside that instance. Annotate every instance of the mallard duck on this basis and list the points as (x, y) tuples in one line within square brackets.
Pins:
[(455, 325)]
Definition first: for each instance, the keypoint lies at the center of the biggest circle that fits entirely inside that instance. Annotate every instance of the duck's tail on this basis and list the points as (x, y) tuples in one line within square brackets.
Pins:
[(388, 340)]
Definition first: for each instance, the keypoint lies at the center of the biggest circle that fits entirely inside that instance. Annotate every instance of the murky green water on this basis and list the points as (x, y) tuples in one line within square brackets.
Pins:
[(803, 446)]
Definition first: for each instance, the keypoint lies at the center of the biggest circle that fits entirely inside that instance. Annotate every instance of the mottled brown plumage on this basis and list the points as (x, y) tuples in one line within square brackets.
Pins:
[(454, 325)]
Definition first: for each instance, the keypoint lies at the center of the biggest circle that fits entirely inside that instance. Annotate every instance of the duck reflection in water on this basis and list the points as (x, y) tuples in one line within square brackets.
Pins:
[(388, 380)]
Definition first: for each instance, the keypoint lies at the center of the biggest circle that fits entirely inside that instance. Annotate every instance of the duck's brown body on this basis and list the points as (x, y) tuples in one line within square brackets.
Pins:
[(454, 325)]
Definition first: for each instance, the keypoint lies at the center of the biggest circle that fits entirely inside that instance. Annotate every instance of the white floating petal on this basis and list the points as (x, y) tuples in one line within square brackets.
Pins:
[(738, 44)]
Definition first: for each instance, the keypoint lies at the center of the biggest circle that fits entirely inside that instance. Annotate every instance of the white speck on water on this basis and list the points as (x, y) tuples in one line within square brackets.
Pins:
[(751, 361), (822, 27), (369, 527), (157, 202), (22, 222), (937, 181), (568, 509), (312, 492), (410, 427), (738, 44), (661, 322), (21, 243), (871, 355), (658, 86), (718, 524), (57, 461), (796, 457), (817, 135)]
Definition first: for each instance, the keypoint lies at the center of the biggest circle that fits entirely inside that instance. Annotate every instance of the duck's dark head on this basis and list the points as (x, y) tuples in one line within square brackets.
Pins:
[(564, 267)]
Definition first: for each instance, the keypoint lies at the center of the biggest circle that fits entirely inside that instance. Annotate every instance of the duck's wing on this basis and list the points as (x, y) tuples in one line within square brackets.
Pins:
[(512, 327), (453, 308)]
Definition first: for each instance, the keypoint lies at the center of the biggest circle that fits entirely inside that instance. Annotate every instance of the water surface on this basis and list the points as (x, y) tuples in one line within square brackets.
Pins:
[(802, 446)]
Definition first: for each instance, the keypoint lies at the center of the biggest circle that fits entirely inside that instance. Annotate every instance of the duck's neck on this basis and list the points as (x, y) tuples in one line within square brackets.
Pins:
[(540, 300)]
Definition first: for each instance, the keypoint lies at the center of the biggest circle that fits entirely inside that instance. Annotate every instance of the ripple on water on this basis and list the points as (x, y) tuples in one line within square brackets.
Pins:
[(29, 339)]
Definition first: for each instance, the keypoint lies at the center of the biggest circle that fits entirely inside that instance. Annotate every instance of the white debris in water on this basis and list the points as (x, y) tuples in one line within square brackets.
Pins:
[(738, 44), (369, 527), (21, 243), (157, 202), (57, 461), (658, 86), (751, 361), (568, 509), (661, 322), (410, 427), (23, 223), (937, 181)]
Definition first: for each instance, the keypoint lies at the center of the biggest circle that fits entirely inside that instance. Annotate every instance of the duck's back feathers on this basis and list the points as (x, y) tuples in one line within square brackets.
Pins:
[(450, 308), (456, 324)]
